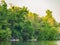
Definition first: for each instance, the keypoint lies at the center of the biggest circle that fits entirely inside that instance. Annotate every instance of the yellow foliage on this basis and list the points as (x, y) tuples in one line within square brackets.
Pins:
[(30, 16), (51, 21)]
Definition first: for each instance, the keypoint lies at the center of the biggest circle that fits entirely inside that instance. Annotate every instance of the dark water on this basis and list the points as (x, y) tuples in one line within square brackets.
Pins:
[(31, 43)]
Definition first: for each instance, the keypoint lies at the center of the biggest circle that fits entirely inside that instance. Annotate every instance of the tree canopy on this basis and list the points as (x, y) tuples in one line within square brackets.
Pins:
[(19, 22)]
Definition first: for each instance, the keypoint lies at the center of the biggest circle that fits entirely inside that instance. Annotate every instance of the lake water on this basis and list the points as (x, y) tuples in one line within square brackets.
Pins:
[(30, 43)]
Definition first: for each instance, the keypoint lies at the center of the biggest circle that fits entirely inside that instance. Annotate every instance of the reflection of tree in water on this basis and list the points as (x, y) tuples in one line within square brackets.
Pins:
[(5, 43), (29, 43), (35, 43)]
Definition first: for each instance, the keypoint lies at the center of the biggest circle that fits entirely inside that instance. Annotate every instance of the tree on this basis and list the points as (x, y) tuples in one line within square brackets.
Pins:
[(19, 22), (49, 18)]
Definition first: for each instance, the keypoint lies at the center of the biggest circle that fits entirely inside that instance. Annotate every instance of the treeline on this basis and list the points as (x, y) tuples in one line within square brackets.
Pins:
[(19, 22)]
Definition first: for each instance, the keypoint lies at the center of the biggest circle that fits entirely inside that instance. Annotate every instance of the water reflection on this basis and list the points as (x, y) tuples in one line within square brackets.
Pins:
[(31, 43), (5, 43)]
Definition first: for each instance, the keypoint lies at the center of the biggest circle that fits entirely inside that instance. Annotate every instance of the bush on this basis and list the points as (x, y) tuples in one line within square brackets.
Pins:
[(5, 34), (48, 33)]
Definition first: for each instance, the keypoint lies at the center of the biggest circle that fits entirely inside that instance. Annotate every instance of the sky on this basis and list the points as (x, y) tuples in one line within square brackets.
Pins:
[(39, 6)]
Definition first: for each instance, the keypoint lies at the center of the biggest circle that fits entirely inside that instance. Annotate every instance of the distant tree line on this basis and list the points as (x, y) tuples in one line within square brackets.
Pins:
[(19, 22)]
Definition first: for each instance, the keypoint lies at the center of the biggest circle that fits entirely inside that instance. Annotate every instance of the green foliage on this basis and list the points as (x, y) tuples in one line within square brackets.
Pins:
[(5, 34), (48, 33), (18, 22), (27, 31)]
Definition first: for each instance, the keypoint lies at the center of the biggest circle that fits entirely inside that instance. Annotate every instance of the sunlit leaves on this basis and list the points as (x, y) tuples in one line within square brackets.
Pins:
[(19, 22)]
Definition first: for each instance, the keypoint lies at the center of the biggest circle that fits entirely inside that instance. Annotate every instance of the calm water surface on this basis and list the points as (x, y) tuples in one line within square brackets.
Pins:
[(31, 43)]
